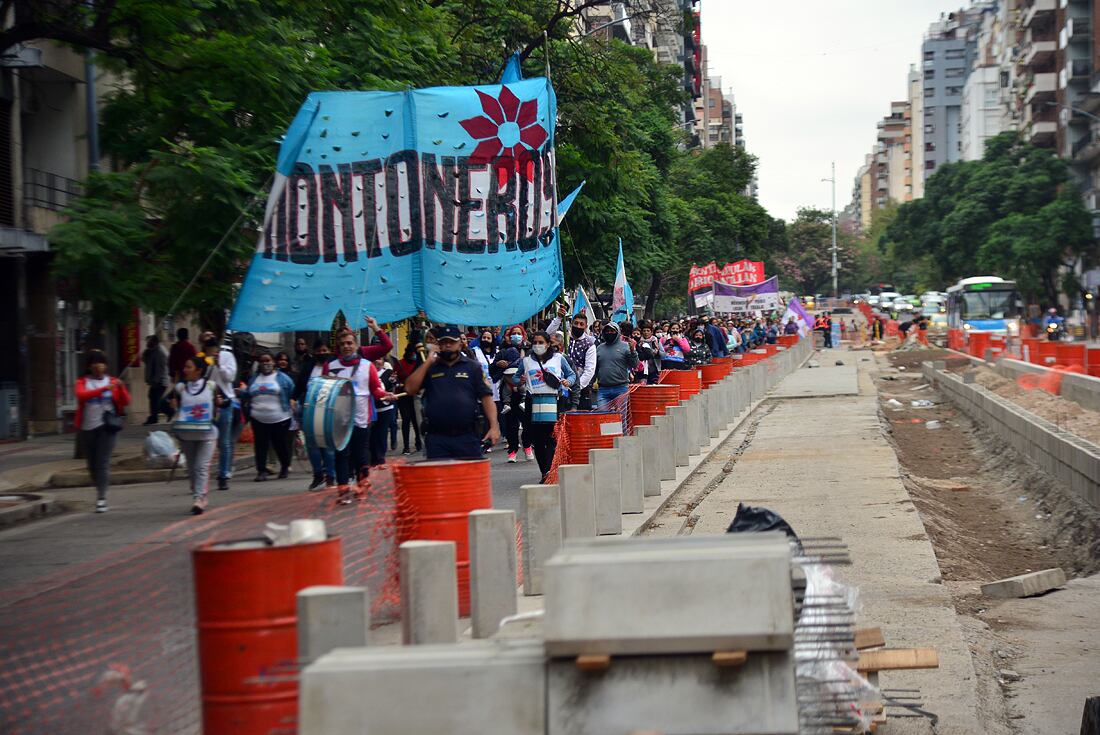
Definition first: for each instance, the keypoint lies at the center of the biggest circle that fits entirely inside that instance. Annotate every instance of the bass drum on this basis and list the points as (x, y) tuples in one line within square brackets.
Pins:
[(328, 412)]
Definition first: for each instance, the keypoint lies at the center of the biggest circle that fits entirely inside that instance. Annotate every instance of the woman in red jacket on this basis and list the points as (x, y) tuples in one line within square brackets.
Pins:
[(101, 402)]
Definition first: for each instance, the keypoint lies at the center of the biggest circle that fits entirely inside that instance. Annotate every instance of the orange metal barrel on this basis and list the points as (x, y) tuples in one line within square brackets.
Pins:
[(436, 497), (751, 358), (788, 340), (246, 615), (711, 374), (647, 401), (977, 343), (1092, 366), (689, 381), (591, 430)]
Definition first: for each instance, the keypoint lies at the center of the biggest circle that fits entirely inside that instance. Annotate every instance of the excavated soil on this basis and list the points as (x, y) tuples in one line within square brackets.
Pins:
[(989, 512)]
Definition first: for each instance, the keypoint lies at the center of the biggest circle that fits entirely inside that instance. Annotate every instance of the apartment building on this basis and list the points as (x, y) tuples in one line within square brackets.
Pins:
[(915, 88)]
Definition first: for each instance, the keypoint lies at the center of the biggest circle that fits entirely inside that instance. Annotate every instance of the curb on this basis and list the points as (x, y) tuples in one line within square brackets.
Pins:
[(37, 505)]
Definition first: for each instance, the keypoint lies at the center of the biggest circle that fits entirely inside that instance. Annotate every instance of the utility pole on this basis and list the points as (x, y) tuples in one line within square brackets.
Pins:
[(832, 180)]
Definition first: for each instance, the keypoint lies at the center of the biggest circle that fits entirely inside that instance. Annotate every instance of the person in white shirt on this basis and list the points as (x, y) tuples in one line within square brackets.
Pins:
[(223, 374), (195, 405), (270, 408), (355, 457)]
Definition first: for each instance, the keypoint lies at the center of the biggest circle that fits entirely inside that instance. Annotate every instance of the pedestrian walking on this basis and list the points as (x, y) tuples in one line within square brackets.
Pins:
[(270, 399), (322, 461), (615, 362), (182, 351), (545, 373), (385, 420), (101, 402), (353, 461), (515, 349), (195, 401), (454, 389), (221, 370), (155, 360), (406, 404)]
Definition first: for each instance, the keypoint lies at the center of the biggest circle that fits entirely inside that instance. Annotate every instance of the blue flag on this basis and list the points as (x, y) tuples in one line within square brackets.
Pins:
[(565, 204), (385, 204), (622, 302)]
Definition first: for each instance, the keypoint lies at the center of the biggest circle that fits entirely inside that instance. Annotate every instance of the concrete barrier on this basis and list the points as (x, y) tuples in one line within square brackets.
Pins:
[(607, 480), (1076, 387), (332, 617), (578, 501), (1072, 461), (540, 513), (666, 438), (429, 592), (492, 536), (680, 436), (631, 492), (651, 460)]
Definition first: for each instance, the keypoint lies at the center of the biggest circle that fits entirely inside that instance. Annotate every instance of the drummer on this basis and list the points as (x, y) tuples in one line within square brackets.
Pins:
[(355, 457), (453, 385)]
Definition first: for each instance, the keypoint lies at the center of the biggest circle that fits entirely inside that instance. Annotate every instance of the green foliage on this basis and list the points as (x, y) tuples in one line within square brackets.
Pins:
[(209, 87), (1014, 214)]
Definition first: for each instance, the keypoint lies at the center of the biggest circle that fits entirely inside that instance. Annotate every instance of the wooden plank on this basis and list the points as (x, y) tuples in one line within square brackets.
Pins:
[(869, 638), (888, 659), (597, 662), (729, 658)]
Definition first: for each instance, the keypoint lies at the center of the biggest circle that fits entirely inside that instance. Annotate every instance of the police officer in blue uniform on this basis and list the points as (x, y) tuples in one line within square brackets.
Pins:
[(453, 386)]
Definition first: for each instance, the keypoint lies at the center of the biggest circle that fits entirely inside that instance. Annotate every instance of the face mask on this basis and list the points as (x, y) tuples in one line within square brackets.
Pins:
[(539, 349), (448, 355), (658, 335), (516, 339), (610, 337), (577, 332)]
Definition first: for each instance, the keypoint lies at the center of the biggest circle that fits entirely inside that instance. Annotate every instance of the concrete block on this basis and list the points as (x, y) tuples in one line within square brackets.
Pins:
[(988, 356), (666, 439), (540, 514), (492, 569), (680, 437), (1026, 585), (650, 438), (332, 617), (968, 377), (674, 694), (480, 687), (631, 483), (607, 481), (639, 596), (694, 425), (578, 500), (429, 592), (715, 420), (939, 364)]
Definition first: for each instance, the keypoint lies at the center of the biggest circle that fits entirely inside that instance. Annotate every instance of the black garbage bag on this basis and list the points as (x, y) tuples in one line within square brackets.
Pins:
[(750, 519)]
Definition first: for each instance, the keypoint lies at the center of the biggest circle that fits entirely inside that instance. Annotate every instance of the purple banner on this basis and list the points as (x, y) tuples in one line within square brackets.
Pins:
[(762, 296)]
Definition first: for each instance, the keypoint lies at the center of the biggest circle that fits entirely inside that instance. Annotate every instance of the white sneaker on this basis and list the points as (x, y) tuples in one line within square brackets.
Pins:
[(529, 453), (101, 506)]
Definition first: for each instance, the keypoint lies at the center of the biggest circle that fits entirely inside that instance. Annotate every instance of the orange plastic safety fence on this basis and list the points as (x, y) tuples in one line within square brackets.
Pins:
[(130, 615)]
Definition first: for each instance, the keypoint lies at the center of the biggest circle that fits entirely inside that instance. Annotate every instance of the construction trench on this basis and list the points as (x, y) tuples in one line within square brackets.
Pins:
[(687, 629)]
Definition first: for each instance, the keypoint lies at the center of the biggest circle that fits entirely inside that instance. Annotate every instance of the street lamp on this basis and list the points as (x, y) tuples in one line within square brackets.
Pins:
[(832, 180), (1071, 108)]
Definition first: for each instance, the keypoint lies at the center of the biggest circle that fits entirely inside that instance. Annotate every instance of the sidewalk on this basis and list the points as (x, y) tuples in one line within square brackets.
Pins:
[(29, 465), (825, 466)]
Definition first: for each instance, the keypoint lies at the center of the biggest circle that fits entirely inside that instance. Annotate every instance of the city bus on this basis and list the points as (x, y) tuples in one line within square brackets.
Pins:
[(985, 304)]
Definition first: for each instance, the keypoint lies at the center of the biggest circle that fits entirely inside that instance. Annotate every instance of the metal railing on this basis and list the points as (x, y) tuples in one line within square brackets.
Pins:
[(49, 190)]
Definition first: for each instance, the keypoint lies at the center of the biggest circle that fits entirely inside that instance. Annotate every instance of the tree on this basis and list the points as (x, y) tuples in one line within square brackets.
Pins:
[(1014, 213), (807, 264)]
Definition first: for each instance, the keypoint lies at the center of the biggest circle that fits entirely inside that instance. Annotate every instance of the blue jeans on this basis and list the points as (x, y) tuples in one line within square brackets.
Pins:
[(229, 428), (323, 461), (606, 395)]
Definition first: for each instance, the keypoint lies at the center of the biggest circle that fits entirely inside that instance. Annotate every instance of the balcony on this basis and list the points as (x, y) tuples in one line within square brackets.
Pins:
[(1042, 87), (1039, 53), (1078, 29), (1042, 133), (47, 190), (1040, 10), (1078, 71), (1086, 149)]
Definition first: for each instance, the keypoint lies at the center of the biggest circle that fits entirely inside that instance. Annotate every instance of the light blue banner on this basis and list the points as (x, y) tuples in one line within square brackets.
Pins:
[(389, 203)]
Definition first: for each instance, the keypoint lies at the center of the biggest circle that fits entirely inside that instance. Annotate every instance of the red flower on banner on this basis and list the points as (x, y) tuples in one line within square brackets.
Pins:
[(508, 131)]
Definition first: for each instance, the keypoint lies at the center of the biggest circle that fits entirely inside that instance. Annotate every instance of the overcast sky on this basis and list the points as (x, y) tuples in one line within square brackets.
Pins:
[(812, 77)]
